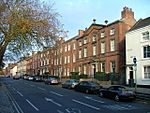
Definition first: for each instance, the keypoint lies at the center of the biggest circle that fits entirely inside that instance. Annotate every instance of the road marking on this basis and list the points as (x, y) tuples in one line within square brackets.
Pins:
[(119, 107), (73, 110), (56, 93), (88, 105), (41, 88), (32, 105), (20, 94), (15, 104), (32, 85), (90, 98), (14, 89), (59, 111), (50, 100)]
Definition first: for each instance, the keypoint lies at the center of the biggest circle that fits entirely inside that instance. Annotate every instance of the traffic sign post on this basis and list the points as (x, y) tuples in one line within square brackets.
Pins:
[(135, 69)]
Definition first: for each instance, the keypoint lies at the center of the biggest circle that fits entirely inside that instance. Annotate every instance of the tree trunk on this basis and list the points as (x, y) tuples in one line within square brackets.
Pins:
[(2, 52)]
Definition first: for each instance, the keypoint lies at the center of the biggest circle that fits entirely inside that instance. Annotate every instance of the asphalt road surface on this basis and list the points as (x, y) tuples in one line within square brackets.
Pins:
[(36, 97)]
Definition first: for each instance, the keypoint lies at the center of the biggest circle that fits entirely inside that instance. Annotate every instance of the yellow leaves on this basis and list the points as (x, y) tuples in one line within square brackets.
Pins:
[(1, 72), (25, 25)]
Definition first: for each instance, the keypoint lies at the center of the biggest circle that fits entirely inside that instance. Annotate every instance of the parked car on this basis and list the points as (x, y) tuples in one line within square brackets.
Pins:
[(16, 77), (31, 78), (37, 78), (88, 87), (26, 77), (70, 84), (52, 80), (117, 93)]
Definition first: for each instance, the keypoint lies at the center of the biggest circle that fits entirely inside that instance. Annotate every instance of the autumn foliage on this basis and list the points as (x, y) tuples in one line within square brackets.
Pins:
[(26, 25)]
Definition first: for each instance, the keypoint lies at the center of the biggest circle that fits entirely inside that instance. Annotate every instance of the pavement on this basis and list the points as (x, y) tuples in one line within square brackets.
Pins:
[(6, 105), (141, 90)]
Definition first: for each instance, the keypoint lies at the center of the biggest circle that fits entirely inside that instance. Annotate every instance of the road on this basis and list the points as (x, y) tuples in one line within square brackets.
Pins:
[(36, 97)]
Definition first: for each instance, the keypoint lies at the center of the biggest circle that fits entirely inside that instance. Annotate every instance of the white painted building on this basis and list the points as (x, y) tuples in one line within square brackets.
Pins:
[(22, 67), (138, 45), (13, 70)]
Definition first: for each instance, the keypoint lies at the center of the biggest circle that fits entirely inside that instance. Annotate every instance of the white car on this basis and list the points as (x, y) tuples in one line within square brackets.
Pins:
[(30, 78)]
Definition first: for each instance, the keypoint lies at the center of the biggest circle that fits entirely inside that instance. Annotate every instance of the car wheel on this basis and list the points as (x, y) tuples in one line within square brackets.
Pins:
[(101, 94), (117, 98), (86, 91)]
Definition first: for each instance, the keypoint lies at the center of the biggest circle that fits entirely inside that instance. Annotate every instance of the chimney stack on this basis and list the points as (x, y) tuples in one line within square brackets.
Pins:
[(81, 32)]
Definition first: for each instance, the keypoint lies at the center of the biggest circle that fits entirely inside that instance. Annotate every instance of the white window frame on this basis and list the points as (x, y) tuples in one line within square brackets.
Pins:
[(146, 72), (55, 61), (80, 43), (47, 61), (52, 61), (80, 54), (74, 46), (68, 59), (146, 54), (94, 38), (103, 47), (94, 50), (73, 70), (85, 41), (112, 45), (41, 55), (102, 34), (65, 61), (85, 52), (68, 47), (112, 31), (68, 72), (74, 58), (145, 36), (79, 70), (84, 69)]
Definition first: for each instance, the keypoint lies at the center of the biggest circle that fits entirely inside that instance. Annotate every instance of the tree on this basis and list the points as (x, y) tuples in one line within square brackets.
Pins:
[(26, 25)]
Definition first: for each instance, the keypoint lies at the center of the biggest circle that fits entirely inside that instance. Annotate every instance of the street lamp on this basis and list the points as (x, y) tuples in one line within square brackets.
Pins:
[(135, 69)]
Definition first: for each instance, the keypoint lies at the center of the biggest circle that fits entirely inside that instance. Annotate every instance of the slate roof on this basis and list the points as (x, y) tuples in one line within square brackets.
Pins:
[(141, 23)]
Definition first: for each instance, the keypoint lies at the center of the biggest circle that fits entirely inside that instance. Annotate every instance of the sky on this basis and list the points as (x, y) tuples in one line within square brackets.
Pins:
[(79, 14)]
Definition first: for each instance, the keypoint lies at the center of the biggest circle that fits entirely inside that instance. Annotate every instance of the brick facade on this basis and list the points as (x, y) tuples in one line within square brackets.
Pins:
[(99, 48)]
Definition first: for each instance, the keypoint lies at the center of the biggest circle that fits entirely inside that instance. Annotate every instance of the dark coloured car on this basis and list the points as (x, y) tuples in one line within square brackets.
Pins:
[(16, 77), (52, 80), (117, 93), (70, 84), (87, 87)]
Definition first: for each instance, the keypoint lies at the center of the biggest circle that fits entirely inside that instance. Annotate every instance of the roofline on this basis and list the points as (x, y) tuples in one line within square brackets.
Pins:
[(103, 26), (132, 29), (75, 37), (135, 25)]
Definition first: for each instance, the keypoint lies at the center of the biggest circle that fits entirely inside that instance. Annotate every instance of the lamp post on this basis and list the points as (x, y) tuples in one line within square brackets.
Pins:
[(135, 69), (113, 67)]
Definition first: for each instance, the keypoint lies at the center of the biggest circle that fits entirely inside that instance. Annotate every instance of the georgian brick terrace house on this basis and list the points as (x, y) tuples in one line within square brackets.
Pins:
[(29, 65), (101, 48), (69, 56)]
